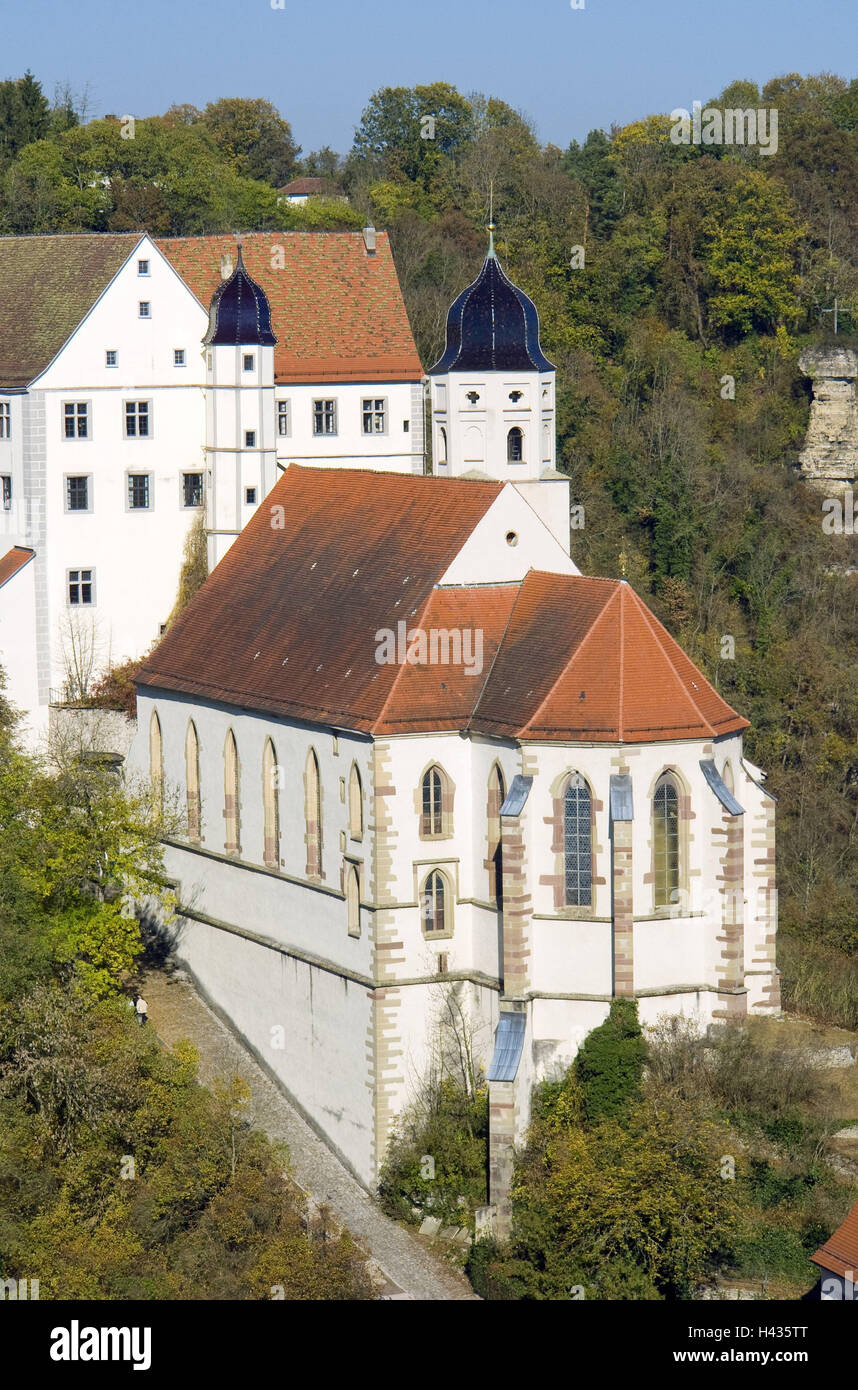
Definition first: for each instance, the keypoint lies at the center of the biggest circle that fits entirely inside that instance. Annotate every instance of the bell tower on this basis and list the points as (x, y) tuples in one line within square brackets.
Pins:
[(240, 445)]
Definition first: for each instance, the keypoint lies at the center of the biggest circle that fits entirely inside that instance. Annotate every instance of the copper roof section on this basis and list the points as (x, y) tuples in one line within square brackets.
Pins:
[(840, 1252), (337, 312), (288, 623), (13, 561)]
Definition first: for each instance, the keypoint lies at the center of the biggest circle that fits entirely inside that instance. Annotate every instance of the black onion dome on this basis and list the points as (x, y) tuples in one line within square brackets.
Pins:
[(239, 314), (493, 326)]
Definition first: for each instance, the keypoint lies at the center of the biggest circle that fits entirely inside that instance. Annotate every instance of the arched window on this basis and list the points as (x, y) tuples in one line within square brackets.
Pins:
[(442, 438), (514, 445), (313, 816), (497, 792), (434, 816), (192, 782), (270, 808), (665, 838), (156, 757), (577, 842), (355, 804), (230, 793), (353, 900), (435, 905)]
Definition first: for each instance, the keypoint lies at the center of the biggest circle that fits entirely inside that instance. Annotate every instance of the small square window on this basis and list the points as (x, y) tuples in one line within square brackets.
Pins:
[(81, 587), (110, 359), (6, 492), (142, 267), (77, 494), (249, 361), (250, 439), (178, 357), (192, 489), (76, 419), (250, 496), (282, 417), (138, 492), (144, 309)]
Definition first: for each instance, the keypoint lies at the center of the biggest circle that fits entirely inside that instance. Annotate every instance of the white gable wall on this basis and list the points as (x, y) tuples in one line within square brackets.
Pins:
[(489, 557)]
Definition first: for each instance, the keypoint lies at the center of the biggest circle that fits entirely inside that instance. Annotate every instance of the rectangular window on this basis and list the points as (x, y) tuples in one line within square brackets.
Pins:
[(192, 489), (406, 426), (138, 420), (324, 417), (81, 585), (77, 493), (178, 357), (250, 496), (138, 492), (144, 309), (373, 415), (76, 419), (6, 492), (282, 417), (110, 357), (250, 439), (5, 420), (142, 267), (248, 361)]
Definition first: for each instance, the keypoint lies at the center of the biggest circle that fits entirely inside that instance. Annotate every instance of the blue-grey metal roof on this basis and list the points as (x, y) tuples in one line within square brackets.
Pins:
[(622, 805), (720, 788), (509, 1040), (239, 313), (492, 327), (517, 795)]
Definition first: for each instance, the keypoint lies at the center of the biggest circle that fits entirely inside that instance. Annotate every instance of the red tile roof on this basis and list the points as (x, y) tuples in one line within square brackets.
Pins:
[(338, 312), (586, 659), (840, 1251), (13, 561), (287, 624), (309, 187), (287, 621)]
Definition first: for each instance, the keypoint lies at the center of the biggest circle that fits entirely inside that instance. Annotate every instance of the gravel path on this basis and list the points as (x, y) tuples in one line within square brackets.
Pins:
[(409, 1270)]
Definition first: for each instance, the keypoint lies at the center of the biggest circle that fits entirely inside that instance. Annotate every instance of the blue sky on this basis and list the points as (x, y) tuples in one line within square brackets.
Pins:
[(319, 60)]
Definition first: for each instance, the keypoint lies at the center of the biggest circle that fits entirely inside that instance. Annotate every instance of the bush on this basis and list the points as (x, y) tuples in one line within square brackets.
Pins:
[(438, 1154), (610, 1062)]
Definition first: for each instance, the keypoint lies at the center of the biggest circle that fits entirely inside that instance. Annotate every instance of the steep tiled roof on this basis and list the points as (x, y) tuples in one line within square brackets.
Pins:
[(337, 312), (287, 621), (586, 659), (840, 1251), (13, 561), (288, 624), (47, 285)]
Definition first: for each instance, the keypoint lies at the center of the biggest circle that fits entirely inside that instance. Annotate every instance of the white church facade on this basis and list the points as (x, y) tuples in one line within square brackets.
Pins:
[(119, 426), (416, 752)]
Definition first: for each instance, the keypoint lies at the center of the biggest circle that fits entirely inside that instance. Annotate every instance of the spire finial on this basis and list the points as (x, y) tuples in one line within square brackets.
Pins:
[(623, 562), (491, 223)]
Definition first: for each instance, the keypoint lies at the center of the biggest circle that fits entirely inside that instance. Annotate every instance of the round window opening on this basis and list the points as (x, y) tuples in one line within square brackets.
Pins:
[(512, 538)]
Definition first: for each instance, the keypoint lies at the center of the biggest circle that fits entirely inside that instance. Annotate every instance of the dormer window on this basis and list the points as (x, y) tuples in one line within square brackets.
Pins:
[(515, 445)]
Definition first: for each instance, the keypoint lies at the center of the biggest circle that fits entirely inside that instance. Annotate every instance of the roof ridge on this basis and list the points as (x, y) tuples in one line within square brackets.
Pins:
[(669, 659), (576, 650)]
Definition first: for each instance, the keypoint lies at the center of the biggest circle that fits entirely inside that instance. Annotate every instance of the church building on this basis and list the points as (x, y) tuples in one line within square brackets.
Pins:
[(419, 755)]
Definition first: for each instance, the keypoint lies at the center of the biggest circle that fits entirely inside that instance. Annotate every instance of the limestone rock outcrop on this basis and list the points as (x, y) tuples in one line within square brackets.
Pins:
[(830, 455)]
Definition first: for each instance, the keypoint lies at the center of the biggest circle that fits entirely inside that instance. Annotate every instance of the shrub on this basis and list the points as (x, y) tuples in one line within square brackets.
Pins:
[(610, 1062), (438, 1154)]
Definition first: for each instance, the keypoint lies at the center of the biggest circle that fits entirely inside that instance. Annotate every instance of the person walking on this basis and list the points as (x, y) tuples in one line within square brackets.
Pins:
[(142, 1009)]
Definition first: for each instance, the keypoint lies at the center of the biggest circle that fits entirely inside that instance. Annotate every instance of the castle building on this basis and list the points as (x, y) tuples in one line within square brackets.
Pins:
[(130, 407), (421, 758)]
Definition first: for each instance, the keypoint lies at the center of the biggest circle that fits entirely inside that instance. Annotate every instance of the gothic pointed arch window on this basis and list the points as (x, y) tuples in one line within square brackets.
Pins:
[(435, 808), (355, 804), (192, 782), (577, 842), (313, 816), (156, 757), (514, 445), (270, 807), (231, 794), (436, 905), (353, 900), (497, 793), (665, 840)]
